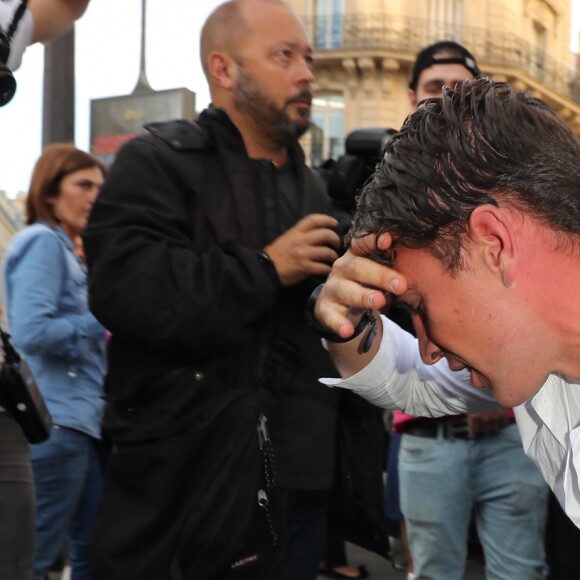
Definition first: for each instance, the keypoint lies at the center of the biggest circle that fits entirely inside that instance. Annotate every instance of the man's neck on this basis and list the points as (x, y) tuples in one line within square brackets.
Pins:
[(553, 272), (257, 150), (258, 145)]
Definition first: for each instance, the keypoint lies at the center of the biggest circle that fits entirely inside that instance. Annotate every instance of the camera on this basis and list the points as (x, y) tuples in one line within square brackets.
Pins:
[(7, 81), (346, 176)]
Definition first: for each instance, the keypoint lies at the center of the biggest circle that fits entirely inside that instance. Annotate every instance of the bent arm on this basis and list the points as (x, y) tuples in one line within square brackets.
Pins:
[(35, 281), (396, 378), (43, 20), (150, 284), (54, 17)]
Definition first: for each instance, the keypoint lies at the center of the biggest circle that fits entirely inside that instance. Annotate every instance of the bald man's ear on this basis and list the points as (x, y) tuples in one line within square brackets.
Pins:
[(493, 232), (221, 68)]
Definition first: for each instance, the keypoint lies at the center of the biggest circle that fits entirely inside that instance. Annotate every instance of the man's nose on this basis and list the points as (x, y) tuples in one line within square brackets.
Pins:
[(306, 74), (430, 352)]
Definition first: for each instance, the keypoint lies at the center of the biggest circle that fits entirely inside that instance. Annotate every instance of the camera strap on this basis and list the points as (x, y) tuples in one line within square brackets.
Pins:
[(6, 37)]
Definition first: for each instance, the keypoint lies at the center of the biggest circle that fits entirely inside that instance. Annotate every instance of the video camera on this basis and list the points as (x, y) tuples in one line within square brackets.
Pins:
[(346, 176), (7, 81)]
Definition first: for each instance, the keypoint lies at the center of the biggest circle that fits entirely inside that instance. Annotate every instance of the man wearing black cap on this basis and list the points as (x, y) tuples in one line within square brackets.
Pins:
[(430, 75), (453, 465)]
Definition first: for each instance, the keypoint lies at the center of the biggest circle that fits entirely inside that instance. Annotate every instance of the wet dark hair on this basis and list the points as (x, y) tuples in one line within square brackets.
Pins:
[(483, 143)]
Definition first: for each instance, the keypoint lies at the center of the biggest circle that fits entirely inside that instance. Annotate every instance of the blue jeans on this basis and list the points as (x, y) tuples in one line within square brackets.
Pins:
[(68, 481), (306, 516), (442, 482)]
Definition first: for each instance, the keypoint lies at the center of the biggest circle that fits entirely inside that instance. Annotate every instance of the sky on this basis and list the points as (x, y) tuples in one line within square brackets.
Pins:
[(107, 52), (108, 41)]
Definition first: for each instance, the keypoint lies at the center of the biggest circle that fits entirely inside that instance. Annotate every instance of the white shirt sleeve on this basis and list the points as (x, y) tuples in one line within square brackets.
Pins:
[(23, 35), (397, 378)]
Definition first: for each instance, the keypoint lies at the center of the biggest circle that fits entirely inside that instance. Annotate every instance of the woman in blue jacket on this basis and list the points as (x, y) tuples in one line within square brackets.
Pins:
[(46, 286)]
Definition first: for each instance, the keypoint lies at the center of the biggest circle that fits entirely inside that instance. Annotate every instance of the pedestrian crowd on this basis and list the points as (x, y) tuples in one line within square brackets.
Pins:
[(241, 381)]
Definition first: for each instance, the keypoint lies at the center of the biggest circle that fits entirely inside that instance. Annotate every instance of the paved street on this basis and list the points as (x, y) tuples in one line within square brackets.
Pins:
[(380, 569)]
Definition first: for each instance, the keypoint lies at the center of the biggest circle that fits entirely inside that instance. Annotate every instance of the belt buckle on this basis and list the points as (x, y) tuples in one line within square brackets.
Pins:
[(459, 430)]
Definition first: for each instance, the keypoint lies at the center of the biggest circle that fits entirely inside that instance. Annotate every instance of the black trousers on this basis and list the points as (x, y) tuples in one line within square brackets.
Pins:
[(17, 509), (562, 543)]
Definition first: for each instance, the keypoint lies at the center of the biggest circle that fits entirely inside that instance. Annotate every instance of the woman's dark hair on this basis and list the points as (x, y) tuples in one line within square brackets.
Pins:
[(56, 162), (483, 143)]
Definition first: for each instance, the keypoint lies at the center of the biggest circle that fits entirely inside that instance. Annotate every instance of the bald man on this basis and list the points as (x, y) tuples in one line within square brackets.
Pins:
[(202, 247)]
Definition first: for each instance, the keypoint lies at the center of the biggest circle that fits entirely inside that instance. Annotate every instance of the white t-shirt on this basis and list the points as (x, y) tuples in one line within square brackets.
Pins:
[(548, 423), (23, 35)]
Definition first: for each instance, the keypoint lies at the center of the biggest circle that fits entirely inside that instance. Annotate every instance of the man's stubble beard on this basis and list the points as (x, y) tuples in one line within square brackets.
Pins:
[(275, 122)]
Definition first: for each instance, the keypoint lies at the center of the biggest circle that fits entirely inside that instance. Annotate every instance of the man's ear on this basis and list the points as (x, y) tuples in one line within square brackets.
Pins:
[(412, 99), (221, 68), (493, 231)]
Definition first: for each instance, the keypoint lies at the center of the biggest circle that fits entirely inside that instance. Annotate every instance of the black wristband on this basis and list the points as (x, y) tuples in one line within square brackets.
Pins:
[(265, 259), (367, 318)]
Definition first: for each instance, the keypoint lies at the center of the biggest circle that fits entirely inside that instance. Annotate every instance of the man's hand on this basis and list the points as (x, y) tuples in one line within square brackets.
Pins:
[(487, 422), (355, 284), (307, 249)]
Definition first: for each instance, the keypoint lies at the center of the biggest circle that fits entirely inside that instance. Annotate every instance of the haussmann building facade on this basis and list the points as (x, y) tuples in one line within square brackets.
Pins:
[(364, 50)]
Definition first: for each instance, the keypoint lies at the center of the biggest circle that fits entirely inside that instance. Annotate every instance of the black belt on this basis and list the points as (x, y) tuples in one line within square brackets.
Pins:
[(444, 428)]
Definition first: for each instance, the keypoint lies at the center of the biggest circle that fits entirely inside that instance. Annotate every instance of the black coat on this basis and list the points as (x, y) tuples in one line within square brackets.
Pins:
[(176, 274), (198, 321)]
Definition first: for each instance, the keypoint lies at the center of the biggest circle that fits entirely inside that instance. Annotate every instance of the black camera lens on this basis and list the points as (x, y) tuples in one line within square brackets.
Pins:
[(7, 85)]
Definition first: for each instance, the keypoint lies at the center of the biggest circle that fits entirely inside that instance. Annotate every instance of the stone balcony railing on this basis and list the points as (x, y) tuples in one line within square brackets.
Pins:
[(383, 34)]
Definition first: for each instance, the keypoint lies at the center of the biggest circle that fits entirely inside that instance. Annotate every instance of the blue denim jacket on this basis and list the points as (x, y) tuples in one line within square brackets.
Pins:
[(51, 326)]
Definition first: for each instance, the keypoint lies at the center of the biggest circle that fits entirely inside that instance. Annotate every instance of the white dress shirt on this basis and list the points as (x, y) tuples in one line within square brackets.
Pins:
[(548, 423)]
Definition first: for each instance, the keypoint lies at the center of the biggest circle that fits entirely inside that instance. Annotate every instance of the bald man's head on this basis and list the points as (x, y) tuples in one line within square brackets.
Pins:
[(227, 27)]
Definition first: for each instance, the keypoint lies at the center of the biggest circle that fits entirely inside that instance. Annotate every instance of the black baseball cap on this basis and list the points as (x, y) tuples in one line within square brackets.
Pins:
[(427, 58)]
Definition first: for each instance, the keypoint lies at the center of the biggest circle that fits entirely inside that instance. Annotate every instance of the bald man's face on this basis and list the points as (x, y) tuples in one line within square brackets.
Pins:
[(274, 74)]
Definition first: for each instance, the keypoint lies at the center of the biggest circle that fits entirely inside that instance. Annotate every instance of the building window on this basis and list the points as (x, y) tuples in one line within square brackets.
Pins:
[(327, 128), (448, 13), (329, 16), (539, 49)]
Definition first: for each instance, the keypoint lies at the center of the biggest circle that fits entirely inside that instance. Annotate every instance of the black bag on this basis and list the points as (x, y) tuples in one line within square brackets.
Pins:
[(216, 502), (20, 396)]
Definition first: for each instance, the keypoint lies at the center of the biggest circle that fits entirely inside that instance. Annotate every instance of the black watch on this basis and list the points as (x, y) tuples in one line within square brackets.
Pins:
[(368, 319)]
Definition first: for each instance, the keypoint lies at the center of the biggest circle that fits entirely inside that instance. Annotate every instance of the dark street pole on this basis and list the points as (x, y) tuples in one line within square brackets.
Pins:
[(59, 90), (143, 85)]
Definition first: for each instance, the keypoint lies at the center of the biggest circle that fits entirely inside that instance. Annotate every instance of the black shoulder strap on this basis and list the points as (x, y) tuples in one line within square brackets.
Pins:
[(6, 36)]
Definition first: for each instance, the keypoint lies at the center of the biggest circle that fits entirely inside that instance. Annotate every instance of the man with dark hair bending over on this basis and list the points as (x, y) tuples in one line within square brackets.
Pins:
[(473, 221), (453, 466)]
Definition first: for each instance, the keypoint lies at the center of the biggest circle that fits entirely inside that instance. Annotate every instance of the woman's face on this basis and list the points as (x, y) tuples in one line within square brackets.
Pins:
[(77, 193)]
